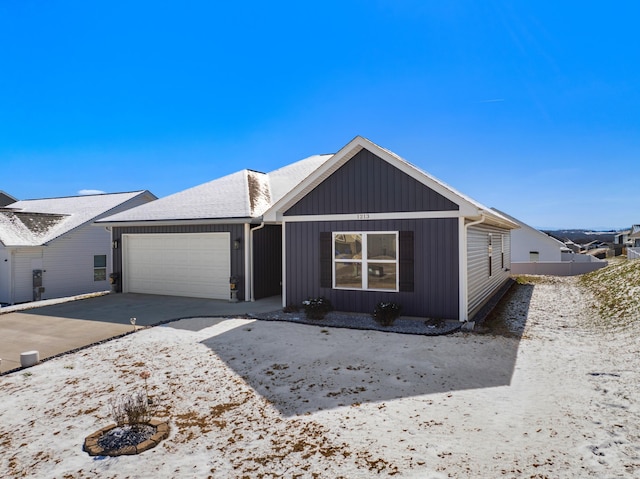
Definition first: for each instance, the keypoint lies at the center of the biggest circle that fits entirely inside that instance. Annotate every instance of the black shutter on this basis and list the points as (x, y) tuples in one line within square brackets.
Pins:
[(326, 265), (405, 260)]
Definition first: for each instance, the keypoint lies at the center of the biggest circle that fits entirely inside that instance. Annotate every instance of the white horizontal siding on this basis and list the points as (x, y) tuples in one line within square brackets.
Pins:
[(5, 275), (68, 262), (482, 285), (24, 261)]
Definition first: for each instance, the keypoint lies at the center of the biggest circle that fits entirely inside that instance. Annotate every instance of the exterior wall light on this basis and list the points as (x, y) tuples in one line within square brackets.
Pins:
[(115, 244), (236, 243)]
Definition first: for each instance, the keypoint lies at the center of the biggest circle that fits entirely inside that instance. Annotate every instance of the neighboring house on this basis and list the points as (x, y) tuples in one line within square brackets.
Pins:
[(574, 247), (622, 237), (634, 236), (50, 248), (531, 245), (535, 252), (357, 227), (6, 199), (633, 244)]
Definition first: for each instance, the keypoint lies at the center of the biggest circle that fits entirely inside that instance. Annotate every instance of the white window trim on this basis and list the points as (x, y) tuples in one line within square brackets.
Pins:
[(96, 268), (364, 261)]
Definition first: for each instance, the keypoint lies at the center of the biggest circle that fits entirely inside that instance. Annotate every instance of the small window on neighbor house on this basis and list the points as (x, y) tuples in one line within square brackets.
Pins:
[(534, 256), (100, 267)]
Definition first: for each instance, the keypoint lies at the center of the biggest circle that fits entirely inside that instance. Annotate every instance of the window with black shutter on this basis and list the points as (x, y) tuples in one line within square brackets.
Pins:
[(369, 261)]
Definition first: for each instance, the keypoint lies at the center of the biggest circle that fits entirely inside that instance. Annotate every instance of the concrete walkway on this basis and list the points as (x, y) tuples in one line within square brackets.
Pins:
[(58, 328)]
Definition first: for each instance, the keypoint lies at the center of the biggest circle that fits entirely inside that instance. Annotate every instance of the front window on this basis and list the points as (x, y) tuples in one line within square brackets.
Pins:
[(367, 261), (100, 267)]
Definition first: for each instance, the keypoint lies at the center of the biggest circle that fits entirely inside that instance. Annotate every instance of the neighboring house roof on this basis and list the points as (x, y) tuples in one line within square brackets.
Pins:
[(37, 222), (468, 206), (6, 199), (635, 231), (244, 194), (539, 234)]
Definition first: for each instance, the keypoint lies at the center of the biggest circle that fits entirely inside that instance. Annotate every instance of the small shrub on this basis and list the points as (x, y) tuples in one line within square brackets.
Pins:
[(317, 308), (131, 410), (385, 313), (291, 308)]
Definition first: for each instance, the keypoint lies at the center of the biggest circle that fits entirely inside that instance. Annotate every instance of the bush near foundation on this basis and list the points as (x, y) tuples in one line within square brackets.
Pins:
[(317, 308), (385, 313)]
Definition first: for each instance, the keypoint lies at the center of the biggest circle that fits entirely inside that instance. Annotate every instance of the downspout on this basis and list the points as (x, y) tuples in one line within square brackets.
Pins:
[(251, 285), (464, 269)]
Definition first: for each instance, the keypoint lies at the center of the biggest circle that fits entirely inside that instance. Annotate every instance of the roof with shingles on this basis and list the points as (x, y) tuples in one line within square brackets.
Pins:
[(244, 194), (39, 221)]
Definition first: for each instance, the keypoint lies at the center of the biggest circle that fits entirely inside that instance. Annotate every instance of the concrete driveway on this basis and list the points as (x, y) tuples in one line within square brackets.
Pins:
[(63, 327)]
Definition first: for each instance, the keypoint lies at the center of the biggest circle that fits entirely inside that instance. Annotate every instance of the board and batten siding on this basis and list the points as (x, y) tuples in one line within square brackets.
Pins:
[(436, 267), (368, 184), (481, 284), (236, 231)]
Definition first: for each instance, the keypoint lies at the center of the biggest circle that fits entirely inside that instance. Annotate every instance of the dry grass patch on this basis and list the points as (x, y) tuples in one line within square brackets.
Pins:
[(616, 293)]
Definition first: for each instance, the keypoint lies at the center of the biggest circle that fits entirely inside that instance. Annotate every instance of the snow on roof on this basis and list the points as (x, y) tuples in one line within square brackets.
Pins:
[(327, 168), (249, 194), (244, 194), (37, 222), (226, 197), (287, 177)]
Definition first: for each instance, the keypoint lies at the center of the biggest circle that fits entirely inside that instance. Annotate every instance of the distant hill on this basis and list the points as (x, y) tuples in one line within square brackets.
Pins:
[(582, 236)]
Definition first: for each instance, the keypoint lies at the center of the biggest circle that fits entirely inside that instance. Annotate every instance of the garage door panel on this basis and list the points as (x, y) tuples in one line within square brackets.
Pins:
[(181, 264)]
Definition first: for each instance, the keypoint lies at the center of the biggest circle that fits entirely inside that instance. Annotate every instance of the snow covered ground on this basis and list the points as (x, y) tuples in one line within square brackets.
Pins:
[(546, 394)]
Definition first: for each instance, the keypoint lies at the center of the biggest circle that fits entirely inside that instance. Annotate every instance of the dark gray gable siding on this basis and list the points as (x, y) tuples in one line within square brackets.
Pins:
[(236, 231), (435, 273), (368, 184)]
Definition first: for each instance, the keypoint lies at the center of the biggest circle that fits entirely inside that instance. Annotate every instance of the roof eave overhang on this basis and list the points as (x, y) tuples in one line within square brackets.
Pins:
[(467, 208), (188, 221)]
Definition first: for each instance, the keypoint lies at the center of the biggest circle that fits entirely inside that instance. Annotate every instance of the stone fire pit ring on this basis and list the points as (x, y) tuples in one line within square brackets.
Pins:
[(93, 448)]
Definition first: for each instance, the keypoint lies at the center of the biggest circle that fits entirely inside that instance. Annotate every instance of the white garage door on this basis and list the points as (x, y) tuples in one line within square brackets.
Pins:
[(177, 264)]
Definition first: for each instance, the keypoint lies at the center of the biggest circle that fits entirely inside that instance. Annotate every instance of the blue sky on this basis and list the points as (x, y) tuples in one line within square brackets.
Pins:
[(529, 107)]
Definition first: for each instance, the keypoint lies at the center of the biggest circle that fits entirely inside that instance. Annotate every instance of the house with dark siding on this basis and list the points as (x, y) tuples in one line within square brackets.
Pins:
[(358, 227)]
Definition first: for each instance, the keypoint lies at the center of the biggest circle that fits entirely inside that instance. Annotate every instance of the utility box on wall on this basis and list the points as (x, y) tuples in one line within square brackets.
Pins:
[(37, 284)]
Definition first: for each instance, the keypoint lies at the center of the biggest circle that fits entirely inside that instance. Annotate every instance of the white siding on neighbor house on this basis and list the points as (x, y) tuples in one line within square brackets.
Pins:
[(24, 262), (526, 240), (481, 285), (68, 262)]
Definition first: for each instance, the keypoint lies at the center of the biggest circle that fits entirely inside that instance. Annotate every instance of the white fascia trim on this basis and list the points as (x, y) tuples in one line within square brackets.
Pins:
[(375, 216), (177, 222), (348, 152)]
